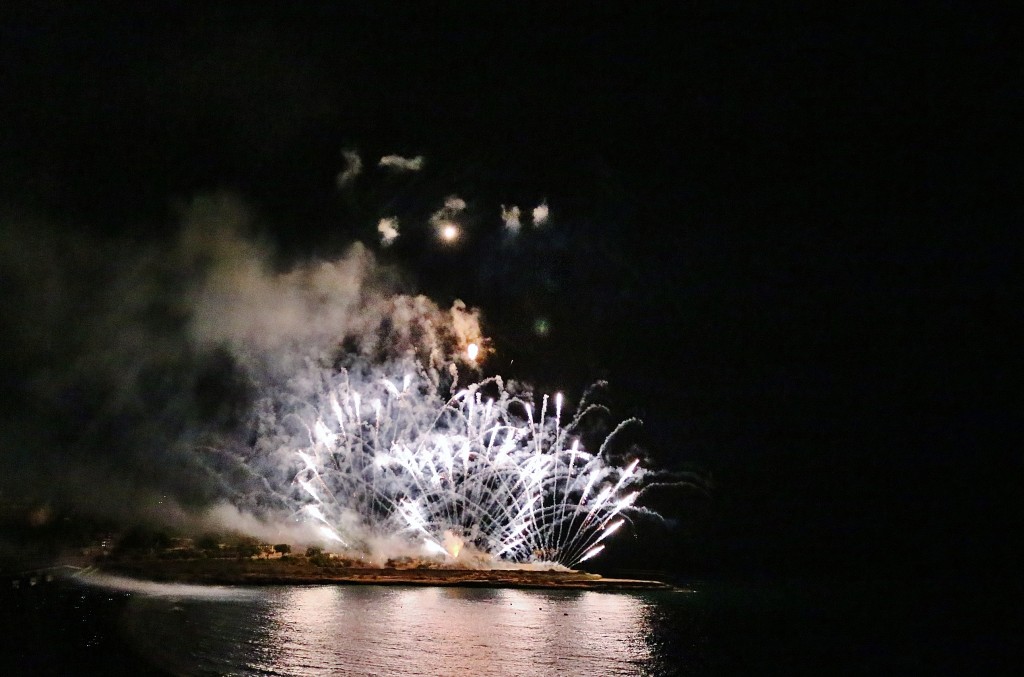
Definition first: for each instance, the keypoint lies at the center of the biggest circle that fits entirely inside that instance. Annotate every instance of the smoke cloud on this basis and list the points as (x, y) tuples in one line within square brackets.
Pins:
[(353, 168), (138, 374), (401, 164), (540, 214), (388, 229), (445, 216), (510, 215)]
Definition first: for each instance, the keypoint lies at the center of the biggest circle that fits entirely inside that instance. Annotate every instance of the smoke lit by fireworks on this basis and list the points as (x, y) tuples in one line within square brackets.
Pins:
[(390, 457), (345, 419)]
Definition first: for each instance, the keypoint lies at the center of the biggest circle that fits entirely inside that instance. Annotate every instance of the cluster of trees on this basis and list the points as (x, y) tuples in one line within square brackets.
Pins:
[(141, 541), (317, 556), (214, 545)]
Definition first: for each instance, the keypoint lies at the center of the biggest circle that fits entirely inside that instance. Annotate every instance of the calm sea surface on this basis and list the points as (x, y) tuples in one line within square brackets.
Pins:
[(326, 630), (116, 627)]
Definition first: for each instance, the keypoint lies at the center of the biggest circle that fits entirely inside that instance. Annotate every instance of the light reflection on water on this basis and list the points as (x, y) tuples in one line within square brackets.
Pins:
[(382, 630), (156, 589)]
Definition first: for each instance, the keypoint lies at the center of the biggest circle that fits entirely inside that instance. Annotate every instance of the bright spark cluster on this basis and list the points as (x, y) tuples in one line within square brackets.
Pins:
[(472, 474)]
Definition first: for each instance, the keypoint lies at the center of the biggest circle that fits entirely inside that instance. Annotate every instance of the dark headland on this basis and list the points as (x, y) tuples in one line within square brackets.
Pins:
[(233, 559), (302, 571)]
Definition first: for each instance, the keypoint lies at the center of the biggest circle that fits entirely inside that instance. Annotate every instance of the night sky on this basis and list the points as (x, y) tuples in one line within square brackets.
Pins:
[(781, 235)]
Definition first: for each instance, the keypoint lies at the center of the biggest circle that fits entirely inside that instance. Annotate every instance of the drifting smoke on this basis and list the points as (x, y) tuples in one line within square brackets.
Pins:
[(443, 220), (388, 229), (453, 204), (353, 168), (540, 214), (134, 370), (510, 216), (401, 164)]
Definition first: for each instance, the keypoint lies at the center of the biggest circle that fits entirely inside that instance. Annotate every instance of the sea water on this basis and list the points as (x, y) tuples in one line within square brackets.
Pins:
[(109, 627)]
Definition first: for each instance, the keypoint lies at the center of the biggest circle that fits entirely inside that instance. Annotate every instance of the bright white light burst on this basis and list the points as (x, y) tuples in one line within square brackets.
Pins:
[(449, 232), (474, 476)]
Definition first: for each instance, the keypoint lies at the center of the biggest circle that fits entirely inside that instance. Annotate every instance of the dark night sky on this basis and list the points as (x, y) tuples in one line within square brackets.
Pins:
[(779, 234)]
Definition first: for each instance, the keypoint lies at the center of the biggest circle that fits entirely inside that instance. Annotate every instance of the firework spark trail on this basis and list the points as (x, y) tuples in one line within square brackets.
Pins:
[(461, 475)]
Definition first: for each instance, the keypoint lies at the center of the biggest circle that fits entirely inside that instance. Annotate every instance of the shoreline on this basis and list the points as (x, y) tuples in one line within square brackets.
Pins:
[(247, 572)]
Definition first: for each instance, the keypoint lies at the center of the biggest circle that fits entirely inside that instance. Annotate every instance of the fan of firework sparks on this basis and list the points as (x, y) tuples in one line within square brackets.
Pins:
[(480, 472)]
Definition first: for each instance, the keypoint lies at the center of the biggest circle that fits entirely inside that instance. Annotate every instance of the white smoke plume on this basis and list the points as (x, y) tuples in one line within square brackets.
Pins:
[(453, 204), (225, 516), (402, 164), (388, 229), (278, 321), (540, 214), (142, 370), (353, 168), (465, 324), (443, 220), (510, 215)]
